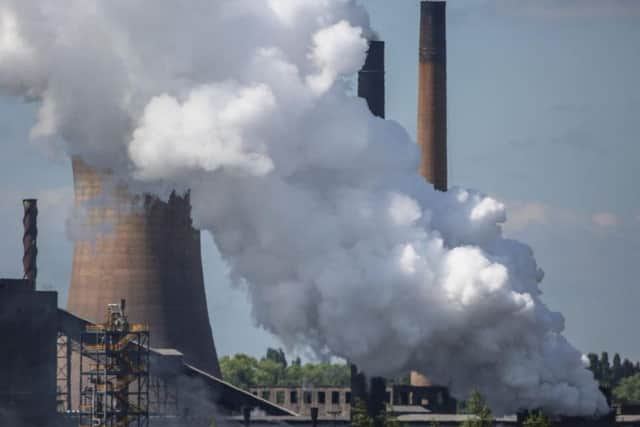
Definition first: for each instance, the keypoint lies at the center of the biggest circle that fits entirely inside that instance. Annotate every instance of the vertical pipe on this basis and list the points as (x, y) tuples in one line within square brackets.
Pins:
[(29, 241), (246, 415), (432, 105), (371, 85), (432, 93), (69, 368), (376, 405), (358, 389)]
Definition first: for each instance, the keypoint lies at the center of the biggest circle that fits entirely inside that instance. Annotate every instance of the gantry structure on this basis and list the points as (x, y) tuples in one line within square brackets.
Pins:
[(114, 372)]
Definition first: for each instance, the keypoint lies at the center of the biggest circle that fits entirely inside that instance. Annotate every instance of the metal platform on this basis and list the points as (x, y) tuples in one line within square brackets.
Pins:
[(114, 373)]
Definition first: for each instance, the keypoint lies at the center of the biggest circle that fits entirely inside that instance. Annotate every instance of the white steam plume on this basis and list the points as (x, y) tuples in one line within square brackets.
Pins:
[(312, 201)]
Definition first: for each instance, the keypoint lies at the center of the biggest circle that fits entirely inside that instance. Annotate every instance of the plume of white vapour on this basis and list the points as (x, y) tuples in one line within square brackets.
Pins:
[(314, 203)]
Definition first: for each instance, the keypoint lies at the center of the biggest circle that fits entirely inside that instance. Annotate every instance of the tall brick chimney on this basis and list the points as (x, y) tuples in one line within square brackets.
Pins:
[(432, 93), (432, 106)]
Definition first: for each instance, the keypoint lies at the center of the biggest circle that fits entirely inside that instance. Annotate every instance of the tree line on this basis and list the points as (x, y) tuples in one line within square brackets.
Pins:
[(273, 370), (621, 376)]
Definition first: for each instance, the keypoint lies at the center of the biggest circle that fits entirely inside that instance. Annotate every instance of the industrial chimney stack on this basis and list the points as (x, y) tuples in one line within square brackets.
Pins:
[(29, 241), (432, 106), (371, 79), (371, 87), (145, 251), (432, 93)]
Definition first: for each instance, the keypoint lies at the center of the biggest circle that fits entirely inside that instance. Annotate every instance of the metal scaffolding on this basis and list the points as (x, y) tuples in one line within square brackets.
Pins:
[(114, 372), (63, 374)]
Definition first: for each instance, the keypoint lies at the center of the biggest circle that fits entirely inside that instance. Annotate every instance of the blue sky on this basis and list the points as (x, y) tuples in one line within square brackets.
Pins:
[(544, 113), (544, 110)]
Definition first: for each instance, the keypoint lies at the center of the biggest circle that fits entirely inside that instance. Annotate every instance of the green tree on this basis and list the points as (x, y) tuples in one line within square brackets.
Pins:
[(389, 421), (537, 419), (360, 416), (240, 370), (270, 373), (594, 366), (605, 369), (628, 391), (616, 369), (276, 356), (293, 374), (627, 369), (336, 375), (325, 374), (477, 406), (272, 370), (312, 375)]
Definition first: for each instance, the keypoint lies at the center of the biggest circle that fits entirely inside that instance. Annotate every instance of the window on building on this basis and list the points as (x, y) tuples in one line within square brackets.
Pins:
[(387, 397), (293, 397), (347, 397), (335, 397), (307, 397), (280, 397), (266, 394), (321, 398)]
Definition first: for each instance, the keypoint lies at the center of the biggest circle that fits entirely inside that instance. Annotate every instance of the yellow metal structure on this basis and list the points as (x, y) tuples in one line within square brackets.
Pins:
[(114, 365)]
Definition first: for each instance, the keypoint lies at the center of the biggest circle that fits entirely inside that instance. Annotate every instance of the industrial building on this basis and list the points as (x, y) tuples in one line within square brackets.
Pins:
[(336, 402), (118, 356), (27, 352), (58, 369)]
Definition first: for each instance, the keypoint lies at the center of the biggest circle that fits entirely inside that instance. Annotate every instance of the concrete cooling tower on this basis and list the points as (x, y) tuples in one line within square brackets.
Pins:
[(145, 251)]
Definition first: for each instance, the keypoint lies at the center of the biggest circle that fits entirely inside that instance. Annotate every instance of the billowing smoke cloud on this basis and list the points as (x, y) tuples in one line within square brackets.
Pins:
[(314, 203)]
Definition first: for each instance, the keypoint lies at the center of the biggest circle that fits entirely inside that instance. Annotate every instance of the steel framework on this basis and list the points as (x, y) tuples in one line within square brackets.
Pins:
[(63, 374), (114, 373)]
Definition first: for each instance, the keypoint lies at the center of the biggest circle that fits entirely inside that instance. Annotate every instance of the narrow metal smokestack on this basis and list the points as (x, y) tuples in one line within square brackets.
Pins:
[(371, 393), (358, 388), (145, 251), (29, 241), (371, 79), (432, 93), (377, 404), (371, 87)]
